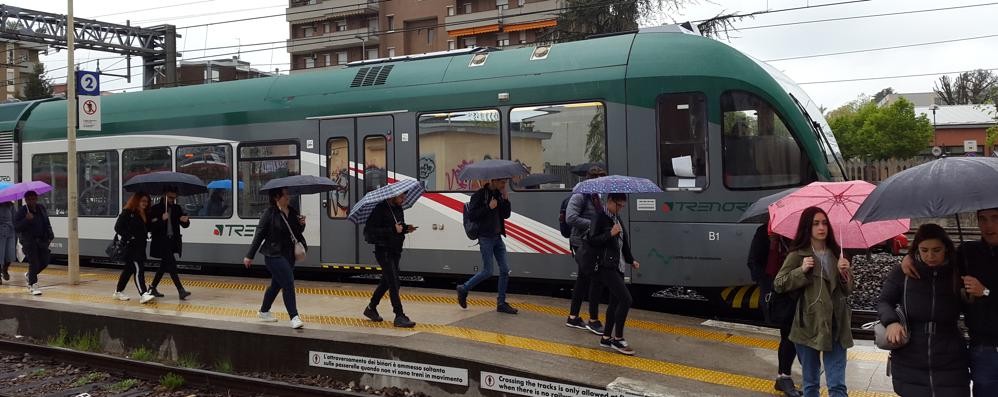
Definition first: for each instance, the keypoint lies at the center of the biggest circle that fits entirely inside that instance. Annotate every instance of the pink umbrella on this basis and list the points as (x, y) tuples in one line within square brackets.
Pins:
[(17, 191), (840, 200)]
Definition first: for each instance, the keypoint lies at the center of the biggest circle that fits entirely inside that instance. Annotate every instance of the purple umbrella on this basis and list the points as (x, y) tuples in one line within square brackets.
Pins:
[(617, 184), (17, 191)]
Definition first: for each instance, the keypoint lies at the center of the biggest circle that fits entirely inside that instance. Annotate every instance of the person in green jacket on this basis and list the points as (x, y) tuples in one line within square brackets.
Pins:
[(816, 271)]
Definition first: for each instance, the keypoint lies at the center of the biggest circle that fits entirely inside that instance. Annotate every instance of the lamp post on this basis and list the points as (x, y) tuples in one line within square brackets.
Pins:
[(363, 46), (935, 138)]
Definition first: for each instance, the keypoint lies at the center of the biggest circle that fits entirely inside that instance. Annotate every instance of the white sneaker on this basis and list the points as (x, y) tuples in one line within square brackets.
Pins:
[(120, 296), (34, 290), (146, 297), (267, 317), (296, 322), (25, 276)]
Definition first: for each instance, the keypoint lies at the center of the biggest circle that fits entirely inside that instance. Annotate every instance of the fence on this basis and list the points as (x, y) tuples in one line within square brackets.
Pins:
[(878, 170)]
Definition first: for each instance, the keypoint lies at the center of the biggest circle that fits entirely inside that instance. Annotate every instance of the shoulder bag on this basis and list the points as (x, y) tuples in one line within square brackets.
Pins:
[(299, 247), (880, 331)]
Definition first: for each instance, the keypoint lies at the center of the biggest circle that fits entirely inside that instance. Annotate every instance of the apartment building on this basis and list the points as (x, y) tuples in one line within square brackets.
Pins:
[(329, 33), (17, 64)]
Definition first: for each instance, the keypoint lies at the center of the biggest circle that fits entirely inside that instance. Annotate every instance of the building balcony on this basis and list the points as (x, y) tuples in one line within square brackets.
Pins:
[(304, 11), (530, 16), (334, 41)]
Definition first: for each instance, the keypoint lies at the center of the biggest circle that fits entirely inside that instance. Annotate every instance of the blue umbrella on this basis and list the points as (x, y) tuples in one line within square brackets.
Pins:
[(224, 184), (492, 169), (4, 185), (362, 210), (616, 184), (301, 184)]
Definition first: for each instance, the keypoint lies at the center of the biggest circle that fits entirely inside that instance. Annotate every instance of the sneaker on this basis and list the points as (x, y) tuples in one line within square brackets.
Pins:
[(402, 321), (372, 314), (155, 293), (6, 275), (604, 342), (146, 297), (33, 290), (575, 323), (296, 322), (621, 346), (120, 296), (25, 276), (506, 308), (462, 297), (267, 317), (595, 327), (184, 294), (785, 384)]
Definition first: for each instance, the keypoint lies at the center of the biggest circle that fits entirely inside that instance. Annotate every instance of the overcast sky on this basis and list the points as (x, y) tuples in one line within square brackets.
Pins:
[(766, 43)]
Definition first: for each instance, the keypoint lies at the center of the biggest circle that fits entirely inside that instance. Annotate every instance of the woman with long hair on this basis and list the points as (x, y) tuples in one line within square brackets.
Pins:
[(132, 226), (279, 228), (935, 360), (819, 275)]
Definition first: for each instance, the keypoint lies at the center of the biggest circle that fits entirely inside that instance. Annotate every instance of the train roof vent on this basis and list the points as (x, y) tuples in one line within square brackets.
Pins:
[(375, 75), (6, 145)]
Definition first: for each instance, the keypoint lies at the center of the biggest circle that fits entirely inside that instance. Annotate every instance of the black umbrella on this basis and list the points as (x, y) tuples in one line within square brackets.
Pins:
[(534, 180), (301, 184), (583, 169), (492, 169), (156, 183), (759, 210)]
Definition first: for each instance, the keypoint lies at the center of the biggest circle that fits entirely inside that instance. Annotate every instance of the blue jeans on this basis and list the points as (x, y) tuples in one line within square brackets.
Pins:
[(282, 279), (491, 247), (984, 370), (835, 370)]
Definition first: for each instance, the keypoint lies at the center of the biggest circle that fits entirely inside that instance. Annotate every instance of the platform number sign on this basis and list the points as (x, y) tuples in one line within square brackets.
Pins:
[(87, 83), (88, 100)]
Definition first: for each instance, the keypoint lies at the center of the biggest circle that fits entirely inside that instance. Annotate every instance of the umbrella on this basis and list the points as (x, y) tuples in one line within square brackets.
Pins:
[(583, 169), (301, 184), (362, 210), (225, 184), (17, 191), (839, 200), (538, 179), (617, 184), (758, 212), (156, 183), (940, 188), (492, 169)]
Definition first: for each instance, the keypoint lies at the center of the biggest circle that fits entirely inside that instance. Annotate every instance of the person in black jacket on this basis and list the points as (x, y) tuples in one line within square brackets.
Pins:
[(35, 232), (490, 208), (934, 362), (279, 228), (609, 253), (132, 227), (386, 228), (165, 220)]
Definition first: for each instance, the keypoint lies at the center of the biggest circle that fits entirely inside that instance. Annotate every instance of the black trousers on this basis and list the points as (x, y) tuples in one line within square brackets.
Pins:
[(38, 257), (168, 265), (586, 287), (136, 270), (620, 301), (389, 262)]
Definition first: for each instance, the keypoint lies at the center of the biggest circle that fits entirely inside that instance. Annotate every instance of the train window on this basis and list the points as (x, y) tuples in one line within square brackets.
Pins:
[(448, 142), (213, 165), (143, 161), (759, 151), (682, 124), (51, 169), (552, 141), (375, 162), (258, 164), (338, 167), (97, 183)]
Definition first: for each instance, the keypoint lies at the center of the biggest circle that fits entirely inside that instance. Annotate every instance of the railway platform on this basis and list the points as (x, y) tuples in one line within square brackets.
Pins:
[(450, 352)]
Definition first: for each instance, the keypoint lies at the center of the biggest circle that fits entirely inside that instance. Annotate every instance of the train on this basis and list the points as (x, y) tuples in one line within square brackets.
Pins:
[(714, 127)]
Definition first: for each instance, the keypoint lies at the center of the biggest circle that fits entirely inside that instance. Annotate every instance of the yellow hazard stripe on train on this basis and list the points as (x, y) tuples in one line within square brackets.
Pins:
[(351, 267), (741, 297)]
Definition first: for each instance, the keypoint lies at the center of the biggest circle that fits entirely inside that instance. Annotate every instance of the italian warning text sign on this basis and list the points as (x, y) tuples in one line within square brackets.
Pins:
[(539, 388), (377, 366)]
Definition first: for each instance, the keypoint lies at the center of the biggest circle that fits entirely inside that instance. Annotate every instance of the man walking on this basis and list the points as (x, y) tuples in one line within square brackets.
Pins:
[(166, 219), (386, 229), (490, 208), (35, 232), (578, 214)]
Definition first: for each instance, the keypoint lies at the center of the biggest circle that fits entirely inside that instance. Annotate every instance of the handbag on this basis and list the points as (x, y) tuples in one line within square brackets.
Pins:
[(116, 249), (299, 247), (780, 307), (880, 331)]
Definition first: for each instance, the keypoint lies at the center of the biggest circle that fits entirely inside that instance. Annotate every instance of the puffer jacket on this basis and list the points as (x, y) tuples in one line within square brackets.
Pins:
[(134, 234), (935, 360), (823, 315), (272, 237)]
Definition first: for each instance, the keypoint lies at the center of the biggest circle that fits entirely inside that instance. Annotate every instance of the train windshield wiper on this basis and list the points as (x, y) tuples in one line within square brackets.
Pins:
[(820, 134)]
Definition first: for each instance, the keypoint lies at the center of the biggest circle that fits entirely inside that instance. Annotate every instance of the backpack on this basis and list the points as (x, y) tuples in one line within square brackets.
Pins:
[(566, 229), (470, 226), (368, 237)]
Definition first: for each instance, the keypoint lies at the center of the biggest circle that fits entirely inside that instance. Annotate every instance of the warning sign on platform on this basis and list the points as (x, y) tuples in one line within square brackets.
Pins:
[(539, 388), (377, 366), (89, 113)]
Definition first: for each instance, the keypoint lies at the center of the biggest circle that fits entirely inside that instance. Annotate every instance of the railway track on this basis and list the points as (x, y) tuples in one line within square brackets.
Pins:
[(61, 375)]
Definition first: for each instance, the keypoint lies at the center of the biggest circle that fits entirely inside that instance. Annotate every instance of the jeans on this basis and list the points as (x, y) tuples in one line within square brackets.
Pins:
[(389, 262), (835, 370), (586, 284), (491, 247), (168, 265), (984, 370), (135, 270), (282, 279), (38, 257), (620, 301)]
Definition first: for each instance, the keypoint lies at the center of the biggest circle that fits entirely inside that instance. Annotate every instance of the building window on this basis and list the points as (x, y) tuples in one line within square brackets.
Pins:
[(341, 58), (682, 132), (448, 142), (520, 3), (97, 183), (372, 25), (450, 11), (341, 25), (391, 52), (211, 75), (502, 7), (375, 163), (308, 31), (372, 53), (550, 140), (523, 37), (758, 149), (338, 168), (467, 8), (327, 27), (327, 60), (137, 162), (451, 45), (309, 62), (469, 42), (391, 23), (213, 165), (258, 164), (502, 39), (51, 169), (431, 34)]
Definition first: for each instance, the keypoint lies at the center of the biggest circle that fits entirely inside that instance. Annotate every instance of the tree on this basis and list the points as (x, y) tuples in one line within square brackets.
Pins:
[(868, 131), (37, 86), (968, 88), (882, 94), (583, 18)]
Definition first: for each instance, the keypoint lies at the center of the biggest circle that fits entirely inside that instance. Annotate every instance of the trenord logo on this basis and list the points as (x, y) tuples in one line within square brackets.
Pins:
[(234, 230)]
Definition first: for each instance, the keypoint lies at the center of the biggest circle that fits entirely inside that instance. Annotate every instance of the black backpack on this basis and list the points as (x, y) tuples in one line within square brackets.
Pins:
[(470, 226), (566, 229)]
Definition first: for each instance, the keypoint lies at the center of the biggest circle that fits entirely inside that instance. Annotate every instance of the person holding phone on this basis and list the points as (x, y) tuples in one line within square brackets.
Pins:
[(386, 228)]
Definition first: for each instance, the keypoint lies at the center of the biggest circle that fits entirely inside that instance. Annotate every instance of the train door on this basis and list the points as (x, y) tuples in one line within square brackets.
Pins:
[(359, 158)]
